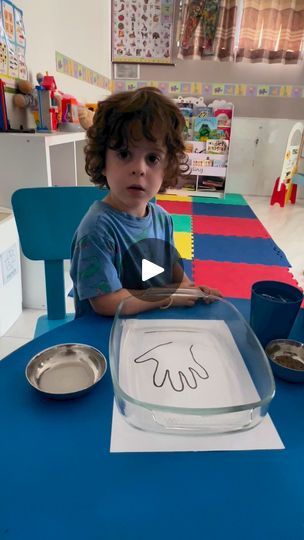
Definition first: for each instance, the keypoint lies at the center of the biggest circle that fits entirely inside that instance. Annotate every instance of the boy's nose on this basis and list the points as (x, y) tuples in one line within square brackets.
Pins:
[(138, 168)]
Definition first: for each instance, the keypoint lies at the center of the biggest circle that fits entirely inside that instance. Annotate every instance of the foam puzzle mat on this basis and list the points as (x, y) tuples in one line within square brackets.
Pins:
[(224, 245)]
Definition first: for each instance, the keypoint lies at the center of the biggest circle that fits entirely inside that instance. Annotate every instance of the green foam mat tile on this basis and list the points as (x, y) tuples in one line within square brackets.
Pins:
[(230, 198), (182, 223)]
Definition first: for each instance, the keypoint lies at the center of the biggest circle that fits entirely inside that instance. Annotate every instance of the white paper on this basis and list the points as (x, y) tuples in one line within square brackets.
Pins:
[(184, 363), (125, 438)]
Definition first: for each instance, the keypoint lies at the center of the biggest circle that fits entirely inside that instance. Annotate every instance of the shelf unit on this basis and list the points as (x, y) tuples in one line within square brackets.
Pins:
[(40, 160), (203, 154)]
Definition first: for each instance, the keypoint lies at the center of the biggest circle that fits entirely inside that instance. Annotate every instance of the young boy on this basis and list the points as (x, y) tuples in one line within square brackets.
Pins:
[(135, 148)]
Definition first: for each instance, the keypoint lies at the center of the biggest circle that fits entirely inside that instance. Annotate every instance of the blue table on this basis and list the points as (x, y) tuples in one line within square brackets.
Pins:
[(58, 480)]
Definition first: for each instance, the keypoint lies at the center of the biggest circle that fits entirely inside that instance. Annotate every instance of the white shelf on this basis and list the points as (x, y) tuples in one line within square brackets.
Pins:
[(50, 139), (204, 155), (210, 171), (40, 160)]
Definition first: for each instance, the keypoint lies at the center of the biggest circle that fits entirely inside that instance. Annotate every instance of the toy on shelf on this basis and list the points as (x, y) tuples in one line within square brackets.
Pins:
[(26, 95), (91, 106), (285, 188), (69, 111), (52, 109), (4, 121), (48, 113), (85, 116)]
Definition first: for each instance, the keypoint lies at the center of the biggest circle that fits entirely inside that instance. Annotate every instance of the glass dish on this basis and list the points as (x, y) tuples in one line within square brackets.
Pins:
[(195, 370)]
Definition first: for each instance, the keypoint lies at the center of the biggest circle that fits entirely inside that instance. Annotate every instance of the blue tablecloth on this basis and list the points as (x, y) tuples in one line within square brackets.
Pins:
[(58, 480)]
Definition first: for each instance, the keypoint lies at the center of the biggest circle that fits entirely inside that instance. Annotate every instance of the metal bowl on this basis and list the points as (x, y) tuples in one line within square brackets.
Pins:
[(66, 371), (287, 359)]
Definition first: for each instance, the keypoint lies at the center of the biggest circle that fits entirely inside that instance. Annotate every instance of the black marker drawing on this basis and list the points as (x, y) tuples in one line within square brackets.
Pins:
[(177, 378)]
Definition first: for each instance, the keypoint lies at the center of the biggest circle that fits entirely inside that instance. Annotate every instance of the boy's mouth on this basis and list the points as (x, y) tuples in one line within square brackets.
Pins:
[(137, 187)]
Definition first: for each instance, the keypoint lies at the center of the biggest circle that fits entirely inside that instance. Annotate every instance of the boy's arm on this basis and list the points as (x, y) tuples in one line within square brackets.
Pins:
[(107, 304)]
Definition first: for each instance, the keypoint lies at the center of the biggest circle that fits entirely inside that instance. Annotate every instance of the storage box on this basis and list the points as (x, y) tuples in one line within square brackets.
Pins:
[(10, 275)]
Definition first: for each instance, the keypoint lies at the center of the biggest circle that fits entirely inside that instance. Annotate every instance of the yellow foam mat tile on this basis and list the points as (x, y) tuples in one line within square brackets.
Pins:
[(184, 244), (172, 198)]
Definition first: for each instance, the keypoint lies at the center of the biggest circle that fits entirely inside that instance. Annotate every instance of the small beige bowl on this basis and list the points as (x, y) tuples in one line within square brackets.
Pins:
[(287, 359)]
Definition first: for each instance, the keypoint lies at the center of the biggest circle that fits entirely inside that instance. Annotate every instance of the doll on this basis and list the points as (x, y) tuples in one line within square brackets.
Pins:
[(26, 96)]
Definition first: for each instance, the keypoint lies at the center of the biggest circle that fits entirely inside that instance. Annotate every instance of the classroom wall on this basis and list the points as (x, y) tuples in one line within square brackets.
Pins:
[(260, 132), (78, 30), (241, 73)]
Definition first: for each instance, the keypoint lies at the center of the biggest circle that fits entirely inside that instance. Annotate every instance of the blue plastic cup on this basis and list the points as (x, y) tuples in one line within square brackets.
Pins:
[(273, 310)]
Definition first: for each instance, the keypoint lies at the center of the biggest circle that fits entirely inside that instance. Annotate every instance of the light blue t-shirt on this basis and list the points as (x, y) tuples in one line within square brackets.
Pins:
[(100, 243)]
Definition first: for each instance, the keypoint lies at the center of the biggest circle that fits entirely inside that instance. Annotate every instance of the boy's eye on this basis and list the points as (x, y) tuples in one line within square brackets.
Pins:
[(153, 159), (123, 154)]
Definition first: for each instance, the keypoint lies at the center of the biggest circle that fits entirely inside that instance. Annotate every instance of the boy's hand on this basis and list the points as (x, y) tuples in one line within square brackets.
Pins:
[(212, 292), (206, 290), (209, 290)]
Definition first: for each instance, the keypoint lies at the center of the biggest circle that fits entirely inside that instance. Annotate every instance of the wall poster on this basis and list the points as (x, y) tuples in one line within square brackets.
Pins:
[(12, 42), (142, 31)]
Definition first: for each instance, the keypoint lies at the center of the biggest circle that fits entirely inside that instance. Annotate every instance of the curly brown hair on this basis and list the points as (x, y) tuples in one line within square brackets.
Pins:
[(156, 115)]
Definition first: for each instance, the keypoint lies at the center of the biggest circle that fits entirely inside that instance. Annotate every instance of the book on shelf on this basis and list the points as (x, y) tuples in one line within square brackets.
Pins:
[(213, 182), (219, 146), (205, 128), (202, 112)]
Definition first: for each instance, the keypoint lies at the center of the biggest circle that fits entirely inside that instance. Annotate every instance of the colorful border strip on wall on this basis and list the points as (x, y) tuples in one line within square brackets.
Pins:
[(71, 67), (213, 89)]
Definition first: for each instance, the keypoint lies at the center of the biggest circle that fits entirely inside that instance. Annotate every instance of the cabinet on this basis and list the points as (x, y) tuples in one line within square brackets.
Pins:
[(10, 275), (207, 141), (40, 160)]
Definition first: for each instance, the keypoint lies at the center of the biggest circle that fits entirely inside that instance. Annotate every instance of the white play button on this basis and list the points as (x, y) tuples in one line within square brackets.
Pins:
[(138, 273), (150, 270)]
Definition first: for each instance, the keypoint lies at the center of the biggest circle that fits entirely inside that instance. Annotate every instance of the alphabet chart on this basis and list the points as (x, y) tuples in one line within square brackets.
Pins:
[(142, 31)]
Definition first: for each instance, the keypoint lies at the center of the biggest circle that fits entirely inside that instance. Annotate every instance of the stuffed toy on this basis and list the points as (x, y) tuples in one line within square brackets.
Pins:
[(85, 116), (26, 96)]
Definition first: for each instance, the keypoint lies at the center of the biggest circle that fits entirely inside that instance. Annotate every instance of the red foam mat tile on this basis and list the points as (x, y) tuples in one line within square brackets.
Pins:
[(178, 207), (235, 279), (229, 226)]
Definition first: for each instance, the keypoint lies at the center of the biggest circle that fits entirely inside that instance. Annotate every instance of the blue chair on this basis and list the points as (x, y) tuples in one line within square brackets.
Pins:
[(46, 220)]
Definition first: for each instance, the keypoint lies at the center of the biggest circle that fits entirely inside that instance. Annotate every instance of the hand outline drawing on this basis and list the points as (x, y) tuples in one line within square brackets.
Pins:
[(177, 378)]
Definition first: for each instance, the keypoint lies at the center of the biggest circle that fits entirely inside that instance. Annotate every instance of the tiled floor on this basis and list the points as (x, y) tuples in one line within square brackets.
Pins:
[(285, 225)]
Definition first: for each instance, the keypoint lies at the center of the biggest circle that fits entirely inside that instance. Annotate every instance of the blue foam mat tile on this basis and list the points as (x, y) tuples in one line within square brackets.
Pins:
[(188, 268), (223, 210), (238, 249)]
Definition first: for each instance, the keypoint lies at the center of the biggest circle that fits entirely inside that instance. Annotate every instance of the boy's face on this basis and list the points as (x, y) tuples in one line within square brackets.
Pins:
[(135, 174)]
